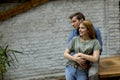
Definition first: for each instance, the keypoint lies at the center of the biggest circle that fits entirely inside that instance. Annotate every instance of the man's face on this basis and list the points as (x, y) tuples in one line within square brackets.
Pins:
[(75, 22)]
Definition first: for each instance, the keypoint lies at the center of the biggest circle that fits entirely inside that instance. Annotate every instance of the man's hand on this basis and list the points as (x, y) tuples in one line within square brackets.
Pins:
[(81, 61)]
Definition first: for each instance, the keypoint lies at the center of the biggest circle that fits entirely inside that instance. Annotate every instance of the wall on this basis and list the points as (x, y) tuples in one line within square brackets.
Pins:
[(41, 33), (112, 27)]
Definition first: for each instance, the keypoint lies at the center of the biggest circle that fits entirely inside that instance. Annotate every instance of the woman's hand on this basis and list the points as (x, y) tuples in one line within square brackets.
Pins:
[(81, 61), (93, 58)]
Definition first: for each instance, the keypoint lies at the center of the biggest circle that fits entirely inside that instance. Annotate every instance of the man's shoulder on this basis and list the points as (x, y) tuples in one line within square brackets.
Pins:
[(96, 28), (73, 32)]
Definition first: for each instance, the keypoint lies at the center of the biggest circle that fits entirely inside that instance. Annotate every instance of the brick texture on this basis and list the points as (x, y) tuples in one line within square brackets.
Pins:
[(42, 32)]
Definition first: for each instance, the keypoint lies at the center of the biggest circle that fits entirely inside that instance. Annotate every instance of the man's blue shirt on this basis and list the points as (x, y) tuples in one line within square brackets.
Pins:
[(74, 33)]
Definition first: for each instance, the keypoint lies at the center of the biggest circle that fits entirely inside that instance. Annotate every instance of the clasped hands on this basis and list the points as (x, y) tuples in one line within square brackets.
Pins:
[(80, 60)]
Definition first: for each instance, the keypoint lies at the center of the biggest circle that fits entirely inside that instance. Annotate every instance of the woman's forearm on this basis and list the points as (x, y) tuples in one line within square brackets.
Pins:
[(67, 55), (92, 58)]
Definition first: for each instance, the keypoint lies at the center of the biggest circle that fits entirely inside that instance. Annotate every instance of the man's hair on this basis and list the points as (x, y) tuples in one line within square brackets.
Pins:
[(78, 15)]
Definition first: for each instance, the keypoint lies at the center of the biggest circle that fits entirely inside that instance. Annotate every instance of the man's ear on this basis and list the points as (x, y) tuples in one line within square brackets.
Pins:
[(82, 19)]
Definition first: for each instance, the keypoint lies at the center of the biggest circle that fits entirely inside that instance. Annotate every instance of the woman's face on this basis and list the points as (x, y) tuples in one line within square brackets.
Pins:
[(83, 30)]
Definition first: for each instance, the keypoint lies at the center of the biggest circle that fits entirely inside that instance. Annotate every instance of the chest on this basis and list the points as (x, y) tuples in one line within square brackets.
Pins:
[(84, 47)]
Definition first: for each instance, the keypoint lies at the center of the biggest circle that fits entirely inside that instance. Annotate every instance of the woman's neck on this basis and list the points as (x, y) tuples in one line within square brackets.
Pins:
[(85, 38)]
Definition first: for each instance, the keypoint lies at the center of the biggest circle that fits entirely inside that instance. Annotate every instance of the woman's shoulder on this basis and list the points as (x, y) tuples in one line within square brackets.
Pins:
[(95, 41), (76, 37)]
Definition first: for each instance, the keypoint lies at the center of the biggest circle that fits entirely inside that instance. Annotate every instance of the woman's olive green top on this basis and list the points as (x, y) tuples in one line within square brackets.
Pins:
[(78, 46)]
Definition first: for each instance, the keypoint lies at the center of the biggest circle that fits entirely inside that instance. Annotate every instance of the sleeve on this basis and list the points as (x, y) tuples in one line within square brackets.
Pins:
[(70, 37), (98, 33), (96, 45), (71, 45)]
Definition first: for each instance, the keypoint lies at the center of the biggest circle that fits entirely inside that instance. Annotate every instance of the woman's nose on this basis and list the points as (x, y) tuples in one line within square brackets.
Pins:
[(72, 24)]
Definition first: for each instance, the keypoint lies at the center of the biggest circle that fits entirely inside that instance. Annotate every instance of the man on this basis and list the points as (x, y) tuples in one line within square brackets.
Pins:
[(76, 19)]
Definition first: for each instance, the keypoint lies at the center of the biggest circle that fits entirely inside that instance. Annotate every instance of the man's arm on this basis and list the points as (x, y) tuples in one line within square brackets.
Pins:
[(82, 62), (72, 34), (98, 33)]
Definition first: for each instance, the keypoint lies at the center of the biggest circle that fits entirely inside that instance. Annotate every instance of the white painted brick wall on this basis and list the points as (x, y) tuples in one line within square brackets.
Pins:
[(41, 33)]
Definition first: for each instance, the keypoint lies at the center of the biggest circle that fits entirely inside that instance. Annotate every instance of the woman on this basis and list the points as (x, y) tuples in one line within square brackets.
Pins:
[(85, 46)]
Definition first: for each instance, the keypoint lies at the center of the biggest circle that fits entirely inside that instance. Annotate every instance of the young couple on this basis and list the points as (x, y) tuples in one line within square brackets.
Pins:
[(84, 49)]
